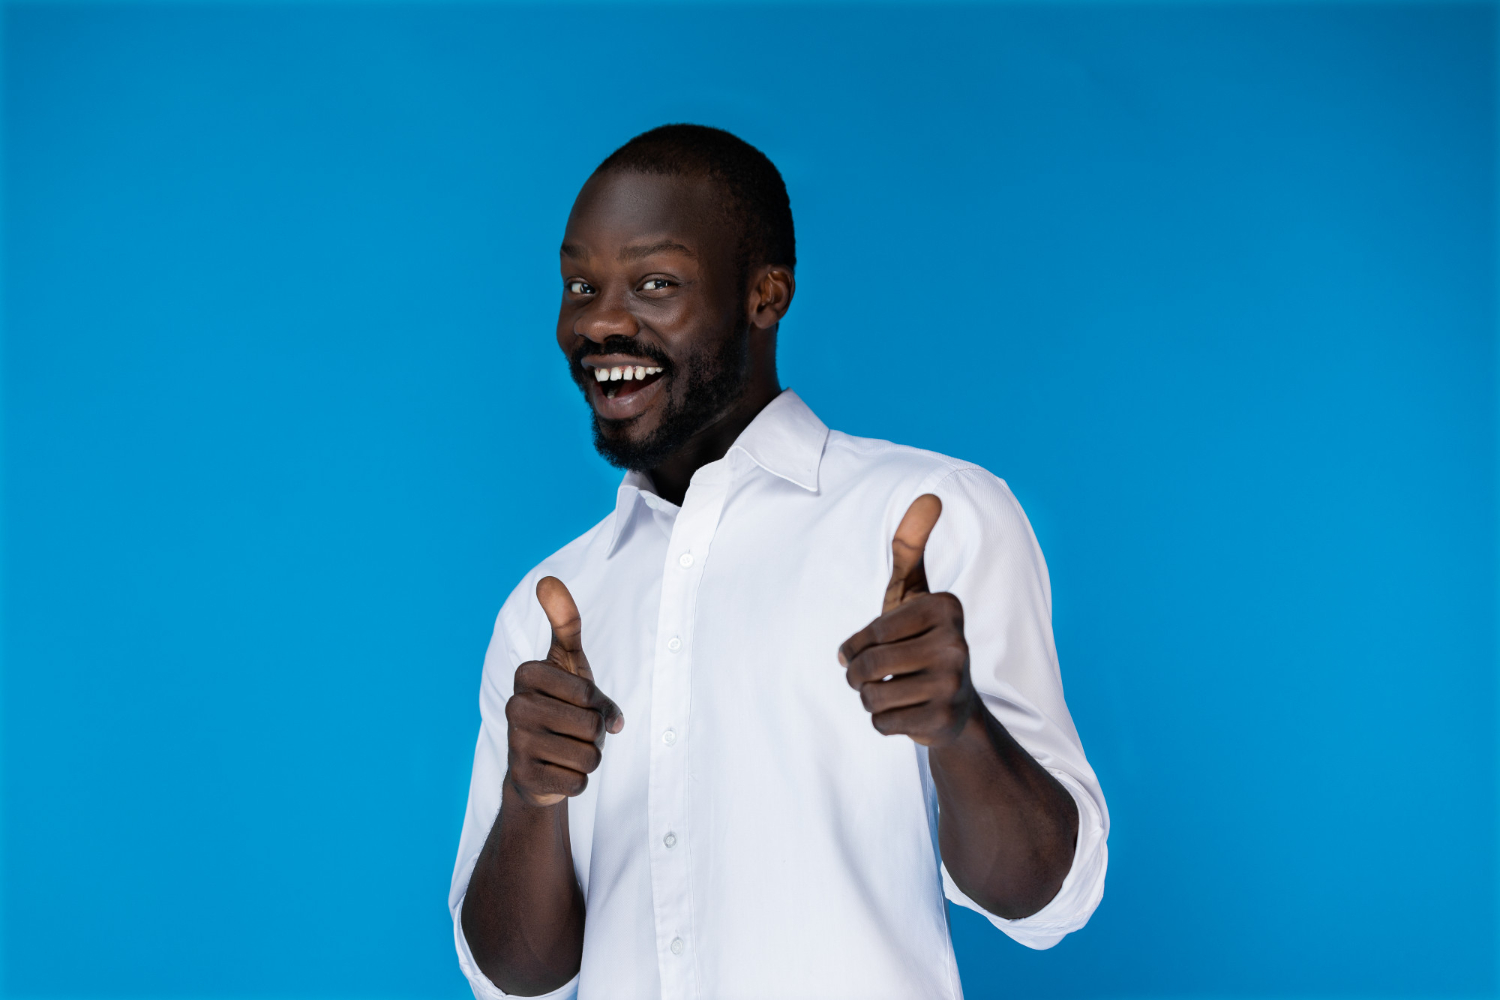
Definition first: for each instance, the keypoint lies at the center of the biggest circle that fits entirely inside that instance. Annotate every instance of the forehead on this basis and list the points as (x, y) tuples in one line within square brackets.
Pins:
[(619, 209)]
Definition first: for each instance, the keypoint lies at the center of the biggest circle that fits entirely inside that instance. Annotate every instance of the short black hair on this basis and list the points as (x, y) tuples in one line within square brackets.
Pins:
[(757, 203)]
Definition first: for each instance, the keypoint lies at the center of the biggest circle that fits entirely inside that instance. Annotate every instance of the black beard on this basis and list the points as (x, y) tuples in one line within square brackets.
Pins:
[(715, 382)]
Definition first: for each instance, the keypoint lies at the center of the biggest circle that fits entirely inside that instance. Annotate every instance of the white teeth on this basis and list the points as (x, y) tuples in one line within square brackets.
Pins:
[(627, 372)]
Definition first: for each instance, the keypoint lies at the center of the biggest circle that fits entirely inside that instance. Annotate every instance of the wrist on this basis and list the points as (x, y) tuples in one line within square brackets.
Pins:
[(517, 801), (972, 735)]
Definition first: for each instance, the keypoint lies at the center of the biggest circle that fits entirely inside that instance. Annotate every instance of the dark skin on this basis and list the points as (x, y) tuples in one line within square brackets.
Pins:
[(646, 257)]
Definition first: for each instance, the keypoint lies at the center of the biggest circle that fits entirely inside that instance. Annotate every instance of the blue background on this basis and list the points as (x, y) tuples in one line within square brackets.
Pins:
[(1213, 287)]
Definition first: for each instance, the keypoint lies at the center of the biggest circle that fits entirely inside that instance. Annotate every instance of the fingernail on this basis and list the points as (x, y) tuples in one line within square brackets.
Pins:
[(843, 662)]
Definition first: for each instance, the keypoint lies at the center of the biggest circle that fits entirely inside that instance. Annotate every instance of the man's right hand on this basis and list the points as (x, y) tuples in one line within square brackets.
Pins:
[(557, 716), (523, 914)]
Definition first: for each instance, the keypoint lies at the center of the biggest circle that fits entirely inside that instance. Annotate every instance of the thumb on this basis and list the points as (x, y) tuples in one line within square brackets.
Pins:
[(908, 574), (567, 644), (567, 627)]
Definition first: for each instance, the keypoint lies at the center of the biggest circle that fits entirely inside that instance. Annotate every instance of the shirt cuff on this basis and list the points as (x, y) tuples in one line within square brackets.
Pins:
[(1081, 891), (478, 981)]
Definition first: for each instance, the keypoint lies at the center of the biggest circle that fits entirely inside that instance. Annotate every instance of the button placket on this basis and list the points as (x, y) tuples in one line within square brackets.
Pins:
[(667, 816)]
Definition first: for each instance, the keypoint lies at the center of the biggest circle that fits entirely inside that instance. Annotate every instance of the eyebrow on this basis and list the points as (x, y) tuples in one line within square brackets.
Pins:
[(635, 252), (649, 250)]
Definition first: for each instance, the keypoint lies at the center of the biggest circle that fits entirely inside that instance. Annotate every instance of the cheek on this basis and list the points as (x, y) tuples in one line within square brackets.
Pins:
[(704, 351), (675, 326), (566, 338)]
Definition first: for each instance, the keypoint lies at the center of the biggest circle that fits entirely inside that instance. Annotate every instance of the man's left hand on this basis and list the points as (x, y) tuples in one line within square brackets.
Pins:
[(911, 665)]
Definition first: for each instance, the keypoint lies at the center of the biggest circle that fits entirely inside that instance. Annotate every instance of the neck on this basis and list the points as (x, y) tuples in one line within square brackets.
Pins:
[(713, 441)]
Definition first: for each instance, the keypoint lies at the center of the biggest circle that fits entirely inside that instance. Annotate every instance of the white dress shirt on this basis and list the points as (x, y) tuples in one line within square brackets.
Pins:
[(749, 833)]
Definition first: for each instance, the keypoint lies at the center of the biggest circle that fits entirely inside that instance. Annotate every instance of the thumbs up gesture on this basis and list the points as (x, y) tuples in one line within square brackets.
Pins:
[(557, 716), (911, 665)]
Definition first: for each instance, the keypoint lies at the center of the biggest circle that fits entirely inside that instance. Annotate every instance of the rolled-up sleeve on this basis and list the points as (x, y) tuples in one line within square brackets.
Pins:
[(500, 662), (984, 552)]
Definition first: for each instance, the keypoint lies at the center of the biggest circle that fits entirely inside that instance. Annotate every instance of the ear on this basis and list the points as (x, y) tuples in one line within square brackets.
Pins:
[(771, 289)]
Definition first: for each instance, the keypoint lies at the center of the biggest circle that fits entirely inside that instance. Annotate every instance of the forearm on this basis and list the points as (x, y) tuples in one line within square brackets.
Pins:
[(1007, 828), (523, 913)]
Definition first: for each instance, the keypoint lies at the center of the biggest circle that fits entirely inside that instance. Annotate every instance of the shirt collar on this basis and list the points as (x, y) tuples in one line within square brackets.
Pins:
[(786, 439)]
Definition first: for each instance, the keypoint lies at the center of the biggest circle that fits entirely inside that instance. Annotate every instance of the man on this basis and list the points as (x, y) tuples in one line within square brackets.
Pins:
[(703, 769)]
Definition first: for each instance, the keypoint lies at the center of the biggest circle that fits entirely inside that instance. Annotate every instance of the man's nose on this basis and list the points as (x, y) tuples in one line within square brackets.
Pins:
[(607, 317)]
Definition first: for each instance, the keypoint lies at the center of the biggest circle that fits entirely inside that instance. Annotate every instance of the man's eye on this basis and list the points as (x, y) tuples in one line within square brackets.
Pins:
[(655, 284), (576, 287)]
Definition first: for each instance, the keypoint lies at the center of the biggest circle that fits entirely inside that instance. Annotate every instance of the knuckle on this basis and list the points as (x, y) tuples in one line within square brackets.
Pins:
[(952, 606), (519, 707), (918, 605), (526, 763), (579, 691), (854, 673), (873, 660), (877, 669), (894, 662), (523, 773), (592, 758)]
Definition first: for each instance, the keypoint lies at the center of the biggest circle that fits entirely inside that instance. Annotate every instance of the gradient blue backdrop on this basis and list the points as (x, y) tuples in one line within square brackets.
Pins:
[(1213, 288)]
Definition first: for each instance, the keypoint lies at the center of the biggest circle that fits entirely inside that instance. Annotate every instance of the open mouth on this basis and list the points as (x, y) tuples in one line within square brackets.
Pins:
[(624, 380)]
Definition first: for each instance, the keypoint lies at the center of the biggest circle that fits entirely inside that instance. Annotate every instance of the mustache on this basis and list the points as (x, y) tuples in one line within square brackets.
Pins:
[(628, 346)]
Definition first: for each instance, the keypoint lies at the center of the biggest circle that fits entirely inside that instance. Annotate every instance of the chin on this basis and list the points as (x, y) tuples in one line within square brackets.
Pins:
[(625, 444)]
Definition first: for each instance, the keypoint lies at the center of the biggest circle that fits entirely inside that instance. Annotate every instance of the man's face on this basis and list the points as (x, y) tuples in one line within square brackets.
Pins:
[(650, 287)]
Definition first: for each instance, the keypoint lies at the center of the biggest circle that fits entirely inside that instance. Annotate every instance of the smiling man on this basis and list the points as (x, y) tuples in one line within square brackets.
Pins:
[(742, 737)]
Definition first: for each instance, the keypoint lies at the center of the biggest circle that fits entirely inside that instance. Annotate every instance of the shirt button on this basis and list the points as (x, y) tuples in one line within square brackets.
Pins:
[(674, 644), (685, 560), (669, 737), (677, 946), (670, 840)]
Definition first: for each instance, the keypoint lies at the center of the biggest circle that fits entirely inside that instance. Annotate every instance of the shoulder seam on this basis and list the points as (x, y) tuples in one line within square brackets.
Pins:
[(940, 476)]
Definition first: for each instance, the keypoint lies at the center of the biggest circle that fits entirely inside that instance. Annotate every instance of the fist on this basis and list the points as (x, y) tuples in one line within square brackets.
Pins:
[(557, 716), (911, 665)]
